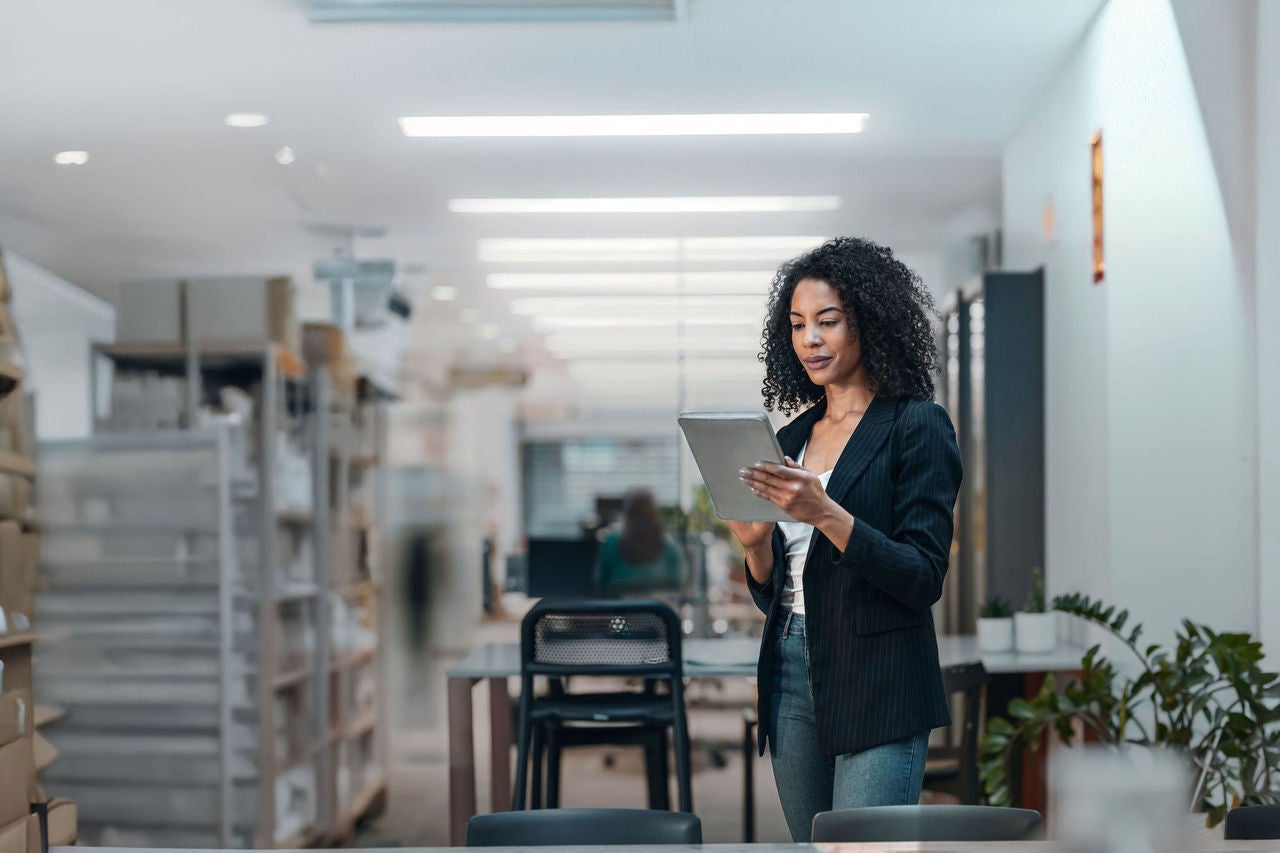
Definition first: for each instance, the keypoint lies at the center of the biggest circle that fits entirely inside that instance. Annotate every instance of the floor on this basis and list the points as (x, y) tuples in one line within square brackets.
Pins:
[(418, 804)]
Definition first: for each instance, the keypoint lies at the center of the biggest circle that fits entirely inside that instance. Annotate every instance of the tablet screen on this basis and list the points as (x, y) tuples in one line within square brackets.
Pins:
[(724, 442)]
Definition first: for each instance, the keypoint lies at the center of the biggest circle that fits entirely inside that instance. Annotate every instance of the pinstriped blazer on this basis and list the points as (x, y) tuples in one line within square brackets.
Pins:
[(873, 654)]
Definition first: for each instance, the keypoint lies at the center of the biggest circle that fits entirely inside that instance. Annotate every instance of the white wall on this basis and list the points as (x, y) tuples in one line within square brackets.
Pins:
[(1268, 333), (57, 322), (1150, 377)]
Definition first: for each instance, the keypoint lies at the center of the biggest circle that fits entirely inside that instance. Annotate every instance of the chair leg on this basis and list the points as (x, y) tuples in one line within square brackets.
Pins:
[(748, 780), (656, 769), (553, 767), (539, 747), (684, 774), (522, 752)]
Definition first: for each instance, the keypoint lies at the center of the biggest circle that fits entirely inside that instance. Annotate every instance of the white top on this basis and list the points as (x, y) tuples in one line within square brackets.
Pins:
[(797, 536)]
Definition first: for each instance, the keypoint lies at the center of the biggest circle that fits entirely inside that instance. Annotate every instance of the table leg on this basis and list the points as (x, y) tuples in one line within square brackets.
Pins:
[(462, 760), (500, 741), (1031, 794)]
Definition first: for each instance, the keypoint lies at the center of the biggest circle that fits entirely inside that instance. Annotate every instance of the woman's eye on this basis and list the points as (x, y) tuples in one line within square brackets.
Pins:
[(829, 324), (795, 327)]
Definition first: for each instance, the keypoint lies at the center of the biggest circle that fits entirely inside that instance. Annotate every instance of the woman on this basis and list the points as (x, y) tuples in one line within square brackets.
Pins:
[(849, 678), (641, 556)]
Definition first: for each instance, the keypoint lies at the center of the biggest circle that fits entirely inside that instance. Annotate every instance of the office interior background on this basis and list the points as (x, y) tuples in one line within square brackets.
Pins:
[(439, 354)]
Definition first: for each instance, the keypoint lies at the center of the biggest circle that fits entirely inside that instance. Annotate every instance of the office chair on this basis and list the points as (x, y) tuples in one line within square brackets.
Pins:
[(630, 639), (954, 768), (1259, 823), (592, 827), (927, 823)]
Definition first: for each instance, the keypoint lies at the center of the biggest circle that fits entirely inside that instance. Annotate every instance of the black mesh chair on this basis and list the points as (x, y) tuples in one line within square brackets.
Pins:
[(592, 827), (628, 639), (927, 823), (1255, 823), (953, 768)]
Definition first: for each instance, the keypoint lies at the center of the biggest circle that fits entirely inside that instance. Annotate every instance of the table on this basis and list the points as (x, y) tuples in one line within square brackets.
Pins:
[(703, 658)]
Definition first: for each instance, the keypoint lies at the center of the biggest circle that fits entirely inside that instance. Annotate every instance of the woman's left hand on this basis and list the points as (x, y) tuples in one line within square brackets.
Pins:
[(793, 488)]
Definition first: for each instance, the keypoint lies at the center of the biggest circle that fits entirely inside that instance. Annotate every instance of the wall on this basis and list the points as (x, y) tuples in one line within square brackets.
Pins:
[(1150, 376), (1268, 332), (57, 322)]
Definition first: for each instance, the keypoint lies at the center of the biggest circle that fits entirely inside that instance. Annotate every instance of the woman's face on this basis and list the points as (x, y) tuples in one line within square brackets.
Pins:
[(822, 333)]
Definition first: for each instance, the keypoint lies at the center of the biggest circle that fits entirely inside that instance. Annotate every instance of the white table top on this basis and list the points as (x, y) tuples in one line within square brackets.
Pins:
[(736, 656)]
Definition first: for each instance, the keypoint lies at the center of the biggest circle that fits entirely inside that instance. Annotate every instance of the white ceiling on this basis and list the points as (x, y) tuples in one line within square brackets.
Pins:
[(144, 86)]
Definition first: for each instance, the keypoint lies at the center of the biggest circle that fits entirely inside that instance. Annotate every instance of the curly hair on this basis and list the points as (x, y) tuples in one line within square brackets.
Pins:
[(888, 309)]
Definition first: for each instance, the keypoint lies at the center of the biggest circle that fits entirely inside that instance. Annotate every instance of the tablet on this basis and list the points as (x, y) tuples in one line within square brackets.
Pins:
[(722, 443)]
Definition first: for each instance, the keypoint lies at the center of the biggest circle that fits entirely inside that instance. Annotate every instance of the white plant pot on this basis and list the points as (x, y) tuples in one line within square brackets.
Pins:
[(1035, 633), (995, 635)]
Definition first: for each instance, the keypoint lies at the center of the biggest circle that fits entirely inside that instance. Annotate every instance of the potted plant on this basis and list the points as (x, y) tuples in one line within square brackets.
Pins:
[(995, 625), (1206, 699), (1034, 630)]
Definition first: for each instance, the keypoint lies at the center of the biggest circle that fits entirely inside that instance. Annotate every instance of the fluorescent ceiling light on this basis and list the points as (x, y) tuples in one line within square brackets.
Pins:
[(444, 293), (690, 204), (285, 156), (572, 346), (635, 125), (71, 158), (656, 249), (577, 306), (749, 281), (489, 331), (545, 323), (247, 120)]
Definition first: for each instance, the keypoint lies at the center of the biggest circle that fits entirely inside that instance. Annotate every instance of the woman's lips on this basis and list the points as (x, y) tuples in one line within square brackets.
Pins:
[(817, 362)]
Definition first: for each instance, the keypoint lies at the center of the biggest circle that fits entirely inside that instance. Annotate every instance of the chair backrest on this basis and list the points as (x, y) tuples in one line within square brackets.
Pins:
[(969, 679), (1253, 822), (593, 827), (927, 823), (617, 637)]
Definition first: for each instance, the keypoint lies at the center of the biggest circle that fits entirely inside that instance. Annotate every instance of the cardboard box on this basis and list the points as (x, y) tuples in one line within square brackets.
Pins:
[(13, 424), (42, 752), (17, 715), (4, 280), (17, 569), (17, 778), (243, 309), (149, 312), (63, 820), (14, 836)]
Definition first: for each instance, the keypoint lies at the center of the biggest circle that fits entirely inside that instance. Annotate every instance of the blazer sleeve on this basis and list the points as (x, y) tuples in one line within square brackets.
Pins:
[(910, 561), (763, 594)]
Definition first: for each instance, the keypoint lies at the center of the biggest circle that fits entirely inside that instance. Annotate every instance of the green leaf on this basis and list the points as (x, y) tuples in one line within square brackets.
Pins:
[(1020, 709)]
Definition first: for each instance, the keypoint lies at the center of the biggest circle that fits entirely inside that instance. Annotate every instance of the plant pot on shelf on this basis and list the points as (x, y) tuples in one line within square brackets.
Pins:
[(1035, 633), (995, 635)]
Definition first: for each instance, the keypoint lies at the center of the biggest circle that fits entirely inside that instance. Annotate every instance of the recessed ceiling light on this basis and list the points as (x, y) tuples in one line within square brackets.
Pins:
[(690, 204), (489, 331), (247, 120), (285, 156), (470, 315), (746, 281), (634, 125), (444, 293), (662, 249), (71, 158)]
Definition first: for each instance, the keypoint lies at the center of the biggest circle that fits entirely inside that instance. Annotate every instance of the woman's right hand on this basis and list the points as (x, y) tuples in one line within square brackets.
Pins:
[(752, 534)]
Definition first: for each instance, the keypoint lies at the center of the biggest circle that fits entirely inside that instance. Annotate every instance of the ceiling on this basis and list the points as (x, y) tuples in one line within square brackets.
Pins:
[(170, 190)]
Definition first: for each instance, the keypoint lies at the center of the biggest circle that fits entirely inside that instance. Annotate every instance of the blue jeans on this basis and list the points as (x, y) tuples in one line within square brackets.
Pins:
[(810, 782)]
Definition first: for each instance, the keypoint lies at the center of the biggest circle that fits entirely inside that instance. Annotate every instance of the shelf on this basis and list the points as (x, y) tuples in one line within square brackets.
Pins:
[(47, 715), (298, 594), (212, 355), (16, 463), (125, 528), (18, 638), (363, 724), (301, 839), (289, 679), (351, 660), (295, 517), (364, 801)]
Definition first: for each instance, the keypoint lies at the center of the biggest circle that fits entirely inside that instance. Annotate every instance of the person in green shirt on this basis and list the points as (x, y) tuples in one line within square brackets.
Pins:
[(641, 556)]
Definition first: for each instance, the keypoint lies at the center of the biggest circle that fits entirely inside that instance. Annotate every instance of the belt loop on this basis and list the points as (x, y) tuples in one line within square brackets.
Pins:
[(786, 626)]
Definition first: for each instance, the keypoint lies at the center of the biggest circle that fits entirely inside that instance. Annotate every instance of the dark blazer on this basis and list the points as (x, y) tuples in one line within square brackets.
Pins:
[(873, 654)]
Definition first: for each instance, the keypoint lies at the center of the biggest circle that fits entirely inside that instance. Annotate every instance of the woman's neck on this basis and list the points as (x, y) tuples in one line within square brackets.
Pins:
[(844, 401)]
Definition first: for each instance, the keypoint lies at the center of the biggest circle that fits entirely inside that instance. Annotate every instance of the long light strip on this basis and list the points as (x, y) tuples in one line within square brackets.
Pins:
[(750, 281), (635, 125), (571, 306), (690, 204), (544, 323), (654, 249)]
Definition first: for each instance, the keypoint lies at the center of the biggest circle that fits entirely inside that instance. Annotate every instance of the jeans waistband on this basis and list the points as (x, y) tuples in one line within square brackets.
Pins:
[(789, 623)]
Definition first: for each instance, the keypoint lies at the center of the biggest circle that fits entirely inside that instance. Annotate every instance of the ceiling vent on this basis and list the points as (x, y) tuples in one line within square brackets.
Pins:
[(487, 11)]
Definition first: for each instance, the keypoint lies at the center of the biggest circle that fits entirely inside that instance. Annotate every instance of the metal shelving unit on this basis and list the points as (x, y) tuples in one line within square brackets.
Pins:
[(161, 614)]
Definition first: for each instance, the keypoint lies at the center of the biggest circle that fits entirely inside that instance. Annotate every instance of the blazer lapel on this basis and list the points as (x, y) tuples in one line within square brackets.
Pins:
[(862, 446)]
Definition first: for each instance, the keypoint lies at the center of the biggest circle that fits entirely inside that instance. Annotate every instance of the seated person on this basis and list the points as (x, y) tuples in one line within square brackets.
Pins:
[(640, 556)]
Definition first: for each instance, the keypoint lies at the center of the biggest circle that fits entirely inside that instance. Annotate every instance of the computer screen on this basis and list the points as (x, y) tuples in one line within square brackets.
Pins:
[(561, 568)]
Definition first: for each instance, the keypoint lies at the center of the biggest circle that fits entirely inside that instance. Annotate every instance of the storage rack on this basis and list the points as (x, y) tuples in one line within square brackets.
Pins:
[(264, 529), (358, 724)]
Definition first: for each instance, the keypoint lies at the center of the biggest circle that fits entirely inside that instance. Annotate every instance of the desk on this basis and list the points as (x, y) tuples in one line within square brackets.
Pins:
[(703, 658)]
